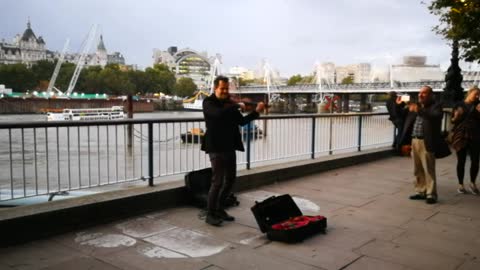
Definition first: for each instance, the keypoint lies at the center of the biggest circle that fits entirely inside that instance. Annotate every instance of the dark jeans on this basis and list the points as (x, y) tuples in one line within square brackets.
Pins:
[(397, 133), (224, 172), (472, 149)]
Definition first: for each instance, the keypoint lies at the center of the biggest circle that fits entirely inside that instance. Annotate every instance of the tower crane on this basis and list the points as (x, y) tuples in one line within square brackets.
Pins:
[(51, 84), (81, 60)]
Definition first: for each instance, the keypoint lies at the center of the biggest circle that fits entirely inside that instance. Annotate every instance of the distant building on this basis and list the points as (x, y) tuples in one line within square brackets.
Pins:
[(360, 73), (415, 69), (241, 72), (186, 63), (24, 49), (99, 58)]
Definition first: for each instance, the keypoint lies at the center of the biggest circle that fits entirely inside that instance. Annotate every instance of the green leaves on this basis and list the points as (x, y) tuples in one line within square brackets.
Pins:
[(459, 20)]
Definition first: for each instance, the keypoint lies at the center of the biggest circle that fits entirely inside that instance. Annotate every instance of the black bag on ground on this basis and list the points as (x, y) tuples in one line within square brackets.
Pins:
[(275, 215), (198, 185)]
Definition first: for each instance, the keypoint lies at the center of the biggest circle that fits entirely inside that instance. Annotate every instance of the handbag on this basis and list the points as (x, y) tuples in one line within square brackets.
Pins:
[(443, 150)]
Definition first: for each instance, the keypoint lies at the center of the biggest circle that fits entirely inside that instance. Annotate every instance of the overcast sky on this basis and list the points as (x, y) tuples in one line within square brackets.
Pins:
[(291, 34)]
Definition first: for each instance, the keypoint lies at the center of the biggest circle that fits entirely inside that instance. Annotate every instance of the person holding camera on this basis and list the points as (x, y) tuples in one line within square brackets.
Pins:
[(423, 130), (395, 107), (222, 138), (466, 138)]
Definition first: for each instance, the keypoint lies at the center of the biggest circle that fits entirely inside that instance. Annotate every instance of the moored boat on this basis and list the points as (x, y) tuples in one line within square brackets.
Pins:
[(195, 135), (113, 113)]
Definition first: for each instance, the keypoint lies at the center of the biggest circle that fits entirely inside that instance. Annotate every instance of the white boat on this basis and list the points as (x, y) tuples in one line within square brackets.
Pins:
[(195, 106), (195, 103), (113, 113)]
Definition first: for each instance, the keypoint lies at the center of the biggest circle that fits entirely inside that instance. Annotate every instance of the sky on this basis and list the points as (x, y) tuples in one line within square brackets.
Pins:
[(292, 35)]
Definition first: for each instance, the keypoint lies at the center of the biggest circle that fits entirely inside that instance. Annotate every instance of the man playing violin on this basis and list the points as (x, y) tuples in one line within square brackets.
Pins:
[(222, 138)]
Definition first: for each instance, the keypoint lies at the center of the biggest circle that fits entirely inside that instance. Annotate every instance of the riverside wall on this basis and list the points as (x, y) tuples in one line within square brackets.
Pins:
[(39, 105)]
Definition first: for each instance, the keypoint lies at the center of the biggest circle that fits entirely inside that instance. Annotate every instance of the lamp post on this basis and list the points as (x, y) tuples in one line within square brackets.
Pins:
[(453, 91)]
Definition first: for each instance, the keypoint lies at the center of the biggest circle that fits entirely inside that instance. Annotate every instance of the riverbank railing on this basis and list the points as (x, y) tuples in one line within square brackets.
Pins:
[(49, 158)]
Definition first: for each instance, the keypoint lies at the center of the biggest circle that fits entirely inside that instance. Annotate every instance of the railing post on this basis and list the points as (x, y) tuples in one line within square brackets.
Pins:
[(359, 133), (313, 137), (330, 151), (249, 138), (150, 154)]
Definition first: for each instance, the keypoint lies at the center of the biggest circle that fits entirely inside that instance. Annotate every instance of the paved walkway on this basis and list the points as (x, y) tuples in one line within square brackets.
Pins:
[(371, 225)]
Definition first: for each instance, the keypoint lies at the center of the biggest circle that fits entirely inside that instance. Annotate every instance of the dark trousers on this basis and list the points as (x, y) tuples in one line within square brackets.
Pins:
[(472, 149), (397, 133), (224, 172)]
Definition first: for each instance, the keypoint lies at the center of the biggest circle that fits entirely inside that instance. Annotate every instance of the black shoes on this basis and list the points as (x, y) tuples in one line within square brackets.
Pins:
[(431, 200), (421, 196), (213, 219), (224, 215), (216, 218), (418, 196)]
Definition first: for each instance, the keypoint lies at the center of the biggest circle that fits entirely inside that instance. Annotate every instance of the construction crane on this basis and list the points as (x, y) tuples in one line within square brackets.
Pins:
[(81, 60), (51, 84)]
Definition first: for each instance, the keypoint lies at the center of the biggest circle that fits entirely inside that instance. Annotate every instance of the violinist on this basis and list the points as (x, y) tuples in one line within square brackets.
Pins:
[(222, 138)]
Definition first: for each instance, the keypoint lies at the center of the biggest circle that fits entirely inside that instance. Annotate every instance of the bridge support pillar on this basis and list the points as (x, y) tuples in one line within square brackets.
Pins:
[(344, 107), (364, 107), (291, 107)]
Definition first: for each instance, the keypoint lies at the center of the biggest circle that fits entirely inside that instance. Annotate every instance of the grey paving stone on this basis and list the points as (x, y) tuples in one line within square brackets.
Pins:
[(456, 221), (82, 263), (36, 255), (365, 225), (97, 240), (367, 263), (341, 238), (388, 218), (143, 227), (440, 243), (235, 233), (470, 265), (147, 256), (190, 243), (323, 256), (410, 256), (443, 231), (242, 258)]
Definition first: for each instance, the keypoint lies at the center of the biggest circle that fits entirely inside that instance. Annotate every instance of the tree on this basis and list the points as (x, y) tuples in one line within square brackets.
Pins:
[(295, 79), (460, 22), (185, 87), (18, 77), (347, 80)]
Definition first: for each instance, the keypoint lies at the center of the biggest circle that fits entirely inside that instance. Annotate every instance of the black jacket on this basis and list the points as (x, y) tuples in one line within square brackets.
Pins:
[(223, 120), (432, 123)]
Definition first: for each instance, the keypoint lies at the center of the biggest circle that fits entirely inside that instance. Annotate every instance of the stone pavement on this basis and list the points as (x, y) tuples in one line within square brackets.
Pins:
[(371, 225)]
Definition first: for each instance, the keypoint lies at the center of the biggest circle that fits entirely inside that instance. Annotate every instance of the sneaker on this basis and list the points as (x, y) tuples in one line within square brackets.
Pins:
[(418, 196), (224, 215), (474, 189), (461, 190), (213, 220), (431, 200)]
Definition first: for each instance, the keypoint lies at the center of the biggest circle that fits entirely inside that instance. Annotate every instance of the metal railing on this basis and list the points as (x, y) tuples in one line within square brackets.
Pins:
[(45, 158)]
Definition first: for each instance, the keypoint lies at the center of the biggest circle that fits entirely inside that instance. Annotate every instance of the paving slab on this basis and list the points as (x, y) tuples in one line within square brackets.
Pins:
[(147, 256), (367, 263), (82, 263), (243, 258), (37, 255), (410, 256), (323, 256)]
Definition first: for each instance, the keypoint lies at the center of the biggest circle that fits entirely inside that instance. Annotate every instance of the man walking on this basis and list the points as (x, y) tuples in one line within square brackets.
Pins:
[(422, 128), (222, 139)]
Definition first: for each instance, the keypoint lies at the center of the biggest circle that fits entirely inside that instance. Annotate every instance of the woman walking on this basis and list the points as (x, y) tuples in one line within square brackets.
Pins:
[(466, 138)]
